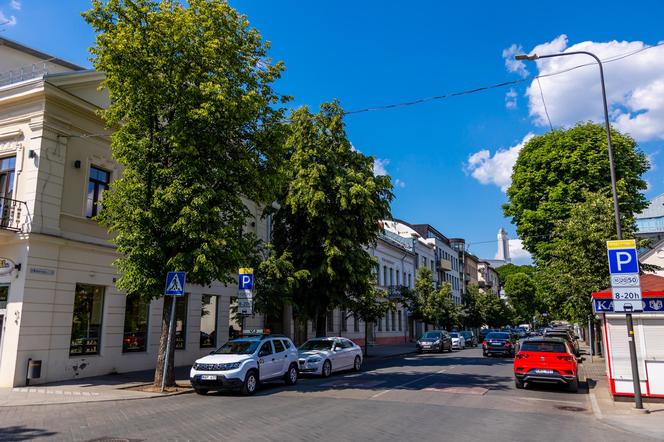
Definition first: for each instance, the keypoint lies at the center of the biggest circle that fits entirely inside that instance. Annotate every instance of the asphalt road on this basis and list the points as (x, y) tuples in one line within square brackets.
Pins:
[(452, 396)]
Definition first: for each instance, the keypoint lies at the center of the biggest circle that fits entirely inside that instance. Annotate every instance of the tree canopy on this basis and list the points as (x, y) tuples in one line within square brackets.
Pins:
[(196, 128), (555, 170)]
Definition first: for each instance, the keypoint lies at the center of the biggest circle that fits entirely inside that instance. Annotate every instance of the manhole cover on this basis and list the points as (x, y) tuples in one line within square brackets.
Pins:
[(569, 408)]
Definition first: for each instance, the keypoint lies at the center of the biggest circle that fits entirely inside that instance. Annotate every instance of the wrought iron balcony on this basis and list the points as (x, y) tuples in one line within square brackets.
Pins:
[(395, 292), (13, 215)]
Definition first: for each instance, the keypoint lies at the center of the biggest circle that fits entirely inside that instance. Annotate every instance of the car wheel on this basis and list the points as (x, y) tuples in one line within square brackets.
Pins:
[(357, 365), (291, 375), (250, 384), (519, 384), (327, 369), (573, 386), (419, 350), (441, 349), (201, 391)]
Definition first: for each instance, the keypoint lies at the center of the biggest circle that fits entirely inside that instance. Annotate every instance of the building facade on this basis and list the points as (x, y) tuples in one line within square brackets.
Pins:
[(650, 222), (488, 279), (58, 300)]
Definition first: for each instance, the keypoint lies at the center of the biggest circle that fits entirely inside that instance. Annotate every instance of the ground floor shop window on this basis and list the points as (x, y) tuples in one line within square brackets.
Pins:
[(135, 324), (344, 323), (400, 323), (4, 296), (180, 321), (87, 320), (209, 321), (394, 322)]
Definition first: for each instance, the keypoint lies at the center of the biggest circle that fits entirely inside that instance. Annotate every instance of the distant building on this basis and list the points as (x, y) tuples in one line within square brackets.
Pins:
[(650, 222), (488, 277), (503, 252)]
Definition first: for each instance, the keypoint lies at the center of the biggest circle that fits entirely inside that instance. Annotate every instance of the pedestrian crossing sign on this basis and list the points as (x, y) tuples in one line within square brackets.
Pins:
[(175, 283)]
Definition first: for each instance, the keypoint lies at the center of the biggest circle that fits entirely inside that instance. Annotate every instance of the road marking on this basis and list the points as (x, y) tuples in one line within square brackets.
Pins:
[(410, 382)]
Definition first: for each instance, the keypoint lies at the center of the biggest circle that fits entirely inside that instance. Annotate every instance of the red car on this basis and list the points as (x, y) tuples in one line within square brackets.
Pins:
[(546, 360)]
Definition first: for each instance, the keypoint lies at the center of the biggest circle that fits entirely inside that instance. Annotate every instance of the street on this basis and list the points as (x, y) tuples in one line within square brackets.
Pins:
[(415, 397)]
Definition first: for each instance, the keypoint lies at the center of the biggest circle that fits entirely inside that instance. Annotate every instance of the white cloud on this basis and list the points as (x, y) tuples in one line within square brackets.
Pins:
[(511, 99), (634, 86), (399, 183), (518, 253), (7, 21), (496, 169), (513, 65), (380, 167), (15, 4)]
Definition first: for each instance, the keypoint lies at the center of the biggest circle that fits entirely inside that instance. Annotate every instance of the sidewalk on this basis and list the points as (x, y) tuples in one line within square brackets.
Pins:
[(93, 389), (619, 414), (389, 351)]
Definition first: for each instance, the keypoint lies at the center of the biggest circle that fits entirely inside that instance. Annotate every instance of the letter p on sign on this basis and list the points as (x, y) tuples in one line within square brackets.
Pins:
[(623, 261)]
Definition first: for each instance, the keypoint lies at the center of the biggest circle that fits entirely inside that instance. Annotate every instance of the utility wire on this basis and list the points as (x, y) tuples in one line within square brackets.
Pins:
[(544, 103)]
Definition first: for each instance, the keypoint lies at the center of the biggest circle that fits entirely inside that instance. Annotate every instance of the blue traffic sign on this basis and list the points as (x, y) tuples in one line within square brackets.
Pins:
[(623, 261), (175, 283), (246, 281)]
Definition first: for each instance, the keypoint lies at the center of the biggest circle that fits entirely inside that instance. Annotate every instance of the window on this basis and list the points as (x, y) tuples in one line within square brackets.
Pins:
[(391, 276), (330, 321), (397, 280), (7, 166), (278, 346), (266, 349), (344, 322), (399, 316), (180, 321), (135, 324), (356, 323), (87, 320), (380, 324), (394, 322), (97, 183), (387, 321), (384, 275), (4, 295), (286, 343), (409, 281), (208, 321)]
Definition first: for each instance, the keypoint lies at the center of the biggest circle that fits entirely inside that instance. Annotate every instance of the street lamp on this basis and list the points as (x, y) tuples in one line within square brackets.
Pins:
[(616, 209)]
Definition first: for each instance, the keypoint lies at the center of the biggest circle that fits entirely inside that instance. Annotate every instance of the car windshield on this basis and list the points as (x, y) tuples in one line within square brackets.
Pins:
[(431, 335), (454, 335), (466, 334), (317, 344), (240, 347), (548, 347), (499, 336)]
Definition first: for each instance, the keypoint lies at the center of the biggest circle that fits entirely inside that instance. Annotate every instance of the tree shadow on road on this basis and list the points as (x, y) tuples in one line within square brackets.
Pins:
[(21, 432)]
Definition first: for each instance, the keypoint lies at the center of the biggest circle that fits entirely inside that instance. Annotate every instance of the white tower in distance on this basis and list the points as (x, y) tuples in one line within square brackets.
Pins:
[(503, 246)]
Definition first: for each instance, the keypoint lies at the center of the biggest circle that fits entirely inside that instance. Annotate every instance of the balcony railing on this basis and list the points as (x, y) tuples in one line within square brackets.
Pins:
[(395, 292), (13, 215), (23, 73), (444, 264)]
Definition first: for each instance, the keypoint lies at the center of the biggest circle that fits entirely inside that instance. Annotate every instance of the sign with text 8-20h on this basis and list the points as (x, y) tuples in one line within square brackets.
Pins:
[(625, 280)]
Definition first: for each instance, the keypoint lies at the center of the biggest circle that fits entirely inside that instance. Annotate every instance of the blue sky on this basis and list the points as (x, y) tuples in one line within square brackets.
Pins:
[(450, 157)]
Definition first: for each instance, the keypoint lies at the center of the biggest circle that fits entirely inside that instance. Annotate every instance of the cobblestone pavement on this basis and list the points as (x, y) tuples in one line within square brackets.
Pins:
[(419, 397)]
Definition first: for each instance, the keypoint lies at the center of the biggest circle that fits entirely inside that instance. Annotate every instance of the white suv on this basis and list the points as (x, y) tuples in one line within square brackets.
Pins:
[(245, 362)]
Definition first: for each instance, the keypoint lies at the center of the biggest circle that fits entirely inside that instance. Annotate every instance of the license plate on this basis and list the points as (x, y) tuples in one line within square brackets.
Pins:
[(208, 377), (426, 346), (544, 371)]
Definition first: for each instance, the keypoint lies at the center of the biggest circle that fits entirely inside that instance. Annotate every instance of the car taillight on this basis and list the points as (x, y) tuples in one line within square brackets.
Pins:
[(508, 344), (568, 358), (484, 344), (522, 356)]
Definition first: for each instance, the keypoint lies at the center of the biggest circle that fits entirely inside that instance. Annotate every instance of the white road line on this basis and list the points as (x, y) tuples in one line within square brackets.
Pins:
[(411, 382)]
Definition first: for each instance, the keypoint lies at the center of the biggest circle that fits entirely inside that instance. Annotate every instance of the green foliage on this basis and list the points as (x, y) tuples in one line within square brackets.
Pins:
[(506, 270), (578, 260), (521, 291), (370, 306), (435, 306), (495, 312), (328, 216), (555, 170), (472, 314), (194, 128)]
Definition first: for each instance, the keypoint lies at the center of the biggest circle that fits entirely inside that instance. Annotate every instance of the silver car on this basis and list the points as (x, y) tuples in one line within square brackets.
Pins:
[(322, 356)]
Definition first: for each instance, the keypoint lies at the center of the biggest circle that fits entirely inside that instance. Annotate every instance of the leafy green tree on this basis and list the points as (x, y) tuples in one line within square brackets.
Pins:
[(496, 313), (435, 306), (506, 270), (471, 315), (370, 306), (578, 261), (196, 129), (328, 216), (554, 171), (521, 292)]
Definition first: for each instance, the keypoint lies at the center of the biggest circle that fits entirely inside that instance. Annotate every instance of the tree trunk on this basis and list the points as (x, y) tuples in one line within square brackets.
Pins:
[(321, 325), (366, 339), (163, 341)]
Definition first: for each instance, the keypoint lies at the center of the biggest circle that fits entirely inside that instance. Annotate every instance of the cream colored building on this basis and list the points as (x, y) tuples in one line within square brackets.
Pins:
[(58, 301)]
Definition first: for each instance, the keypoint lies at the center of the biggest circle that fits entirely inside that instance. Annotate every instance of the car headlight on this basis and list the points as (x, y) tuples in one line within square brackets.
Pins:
[(230, 366), (314, 360), (195, 366), (437, 342)]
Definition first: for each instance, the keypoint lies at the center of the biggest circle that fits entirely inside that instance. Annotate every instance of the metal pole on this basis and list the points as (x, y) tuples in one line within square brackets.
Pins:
[(168, 345), (590, 338), (638, 401)]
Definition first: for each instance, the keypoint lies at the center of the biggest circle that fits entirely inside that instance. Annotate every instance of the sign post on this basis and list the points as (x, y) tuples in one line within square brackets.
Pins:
[(626, 294), (245, 298), (174, 287)]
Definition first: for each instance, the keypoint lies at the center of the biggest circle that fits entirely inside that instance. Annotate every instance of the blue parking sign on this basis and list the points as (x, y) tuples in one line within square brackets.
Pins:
[(623, 261)]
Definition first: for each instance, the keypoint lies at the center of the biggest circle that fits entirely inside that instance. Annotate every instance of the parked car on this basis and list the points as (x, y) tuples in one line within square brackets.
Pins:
[(458, 341), (483, 333), (471, 339), (246, 362), (547, 360), (322, 356), (435, 340), (565, 334), (498, 343)]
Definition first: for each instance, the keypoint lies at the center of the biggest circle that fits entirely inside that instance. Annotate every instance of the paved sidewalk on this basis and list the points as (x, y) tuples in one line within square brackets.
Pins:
[(618, 414), (92, 389)]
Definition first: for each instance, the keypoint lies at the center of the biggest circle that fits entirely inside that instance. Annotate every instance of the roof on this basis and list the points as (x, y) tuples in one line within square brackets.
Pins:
[(649, 283), (41, 55), (654, 210), (654, 248), (425, 229)]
